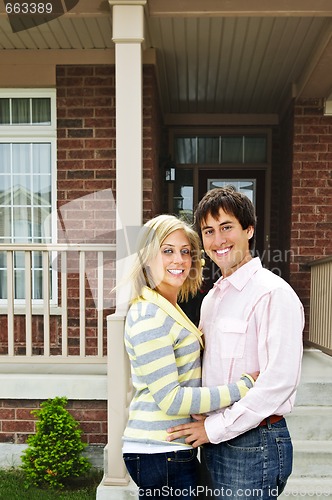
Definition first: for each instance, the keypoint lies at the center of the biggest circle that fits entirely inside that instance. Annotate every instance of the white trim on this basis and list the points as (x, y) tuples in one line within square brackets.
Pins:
[(328, 106), (41, 386)]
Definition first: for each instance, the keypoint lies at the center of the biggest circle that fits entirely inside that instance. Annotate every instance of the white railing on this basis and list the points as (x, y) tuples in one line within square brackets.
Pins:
[(63, 316), (320, 326)]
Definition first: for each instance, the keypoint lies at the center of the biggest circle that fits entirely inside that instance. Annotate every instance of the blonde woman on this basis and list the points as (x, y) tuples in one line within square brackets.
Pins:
[(164, 349)]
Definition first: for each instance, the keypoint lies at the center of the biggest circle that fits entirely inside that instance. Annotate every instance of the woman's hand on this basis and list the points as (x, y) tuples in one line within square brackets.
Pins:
[(254, 375)]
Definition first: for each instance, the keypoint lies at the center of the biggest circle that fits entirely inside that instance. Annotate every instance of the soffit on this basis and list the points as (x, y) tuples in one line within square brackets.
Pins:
[(223, 59), (234, 64)]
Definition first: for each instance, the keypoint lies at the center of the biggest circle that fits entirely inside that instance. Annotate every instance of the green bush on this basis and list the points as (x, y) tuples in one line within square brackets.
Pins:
[(54, 453)]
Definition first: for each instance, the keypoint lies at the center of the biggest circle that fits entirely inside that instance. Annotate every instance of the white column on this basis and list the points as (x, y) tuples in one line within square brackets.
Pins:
[(128, 34)]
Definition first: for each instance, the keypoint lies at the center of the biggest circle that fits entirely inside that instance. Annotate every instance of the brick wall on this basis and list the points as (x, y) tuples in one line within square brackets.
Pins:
[(86, 168), (311, 216), (153, 146), (86, 130), (16, 421)]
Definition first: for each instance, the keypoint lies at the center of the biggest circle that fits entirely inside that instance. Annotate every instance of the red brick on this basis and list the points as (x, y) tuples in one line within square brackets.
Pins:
[(79, 71), (99, 81), (96, 439), (7, 414), (327, 138), (18, 426), (25, 414)]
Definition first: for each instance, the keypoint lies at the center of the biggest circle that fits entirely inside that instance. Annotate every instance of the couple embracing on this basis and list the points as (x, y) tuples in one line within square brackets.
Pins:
[(250, 333)]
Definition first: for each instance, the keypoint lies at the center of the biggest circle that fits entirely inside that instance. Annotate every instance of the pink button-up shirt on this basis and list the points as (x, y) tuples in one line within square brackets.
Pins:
[(252, 321)]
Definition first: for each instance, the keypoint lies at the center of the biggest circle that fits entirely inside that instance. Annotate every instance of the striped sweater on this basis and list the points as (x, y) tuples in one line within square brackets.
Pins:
[(164, 349)]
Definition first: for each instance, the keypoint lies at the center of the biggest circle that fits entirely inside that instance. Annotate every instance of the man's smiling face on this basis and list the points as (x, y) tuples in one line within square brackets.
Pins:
[(226, 242)]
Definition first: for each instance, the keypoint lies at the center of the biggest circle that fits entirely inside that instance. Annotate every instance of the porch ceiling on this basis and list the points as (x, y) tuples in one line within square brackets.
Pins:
[(227, 58)]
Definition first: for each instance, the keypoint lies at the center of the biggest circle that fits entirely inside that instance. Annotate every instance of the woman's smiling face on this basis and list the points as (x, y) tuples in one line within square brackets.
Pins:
[(172, 265)]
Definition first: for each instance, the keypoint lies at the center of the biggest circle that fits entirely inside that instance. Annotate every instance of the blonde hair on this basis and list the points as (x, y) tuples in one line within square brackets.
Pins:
[(153, 233)]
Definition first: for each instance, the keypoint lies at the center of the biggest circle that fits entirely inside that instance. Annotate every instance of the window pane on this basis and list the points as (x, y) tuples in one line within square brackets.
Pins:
[(186, 150), (37, 259), (21, 111), (45, 225), (245, 186), (232, 149), (208, 150), (3, 260), (41, 111), (19, 284), (4, 112), (5, 195), (19, 260), (4, 159), (21, 159), (21, 190), (3, 284), (37, 284), (41, 230), (255, 150), (5, 225), (42, 189), (22, 224), (41, 158)]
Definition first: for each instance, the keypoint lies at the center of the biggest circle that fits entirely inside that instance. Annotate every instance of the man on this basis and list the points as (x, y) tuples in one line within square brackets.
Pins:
[(252, 320)]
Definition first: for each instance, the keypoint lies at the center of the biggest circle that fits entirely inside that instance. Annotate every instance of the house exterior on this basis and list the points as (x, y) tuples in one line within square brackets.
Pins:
[(98, 102)]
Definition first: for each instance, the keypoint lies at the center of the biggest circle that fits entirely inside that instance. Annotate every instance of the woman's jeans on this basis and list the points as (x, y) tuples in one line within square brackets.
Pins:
[(164, 475), (254, 465)]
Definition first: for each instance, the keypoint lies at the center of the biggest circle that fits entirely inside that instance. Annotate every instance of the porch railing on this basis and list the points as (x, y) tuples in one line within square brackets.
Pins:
[(66, 319), (320, 326)]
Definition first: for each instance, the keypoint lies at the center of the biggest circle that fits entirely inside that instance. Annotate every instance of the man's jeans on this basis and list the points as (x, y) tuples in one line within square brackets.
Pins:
[(164, 475), (254, 465)]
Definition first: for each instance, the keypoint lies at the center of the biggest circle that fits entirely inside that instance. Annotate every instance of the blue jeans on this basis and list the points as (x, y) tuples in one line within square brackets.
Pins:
[(164, 475), (254, 465)]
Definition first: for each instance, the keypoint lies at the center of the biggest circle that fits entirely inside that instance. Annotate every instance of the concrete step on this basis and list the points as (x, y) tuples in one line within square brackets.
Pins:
[(314, 393), (312, 459), (306, 487), (310, 422), (315, 388), (316, 365)]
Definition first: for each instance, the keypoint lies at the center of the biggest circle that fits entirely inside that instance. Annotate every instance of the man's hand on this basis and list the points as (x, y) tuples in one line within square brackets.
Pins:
[(195, 432), (254, 375)]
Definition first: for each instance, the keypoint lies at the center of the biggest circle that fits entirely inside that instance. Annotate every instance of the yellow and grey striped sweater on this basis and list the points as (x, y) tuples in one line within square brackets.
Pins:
[(164, 349)]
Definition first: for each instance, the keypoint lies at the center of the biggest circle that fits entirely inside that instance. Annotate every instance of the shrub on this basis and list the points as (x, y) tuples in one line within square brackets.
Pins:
[(53, 456)]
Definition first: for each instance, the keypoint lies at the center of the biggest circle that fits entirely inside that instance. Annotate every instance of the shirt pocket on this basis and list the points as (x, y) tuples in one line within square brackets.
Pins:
[(231, 337)]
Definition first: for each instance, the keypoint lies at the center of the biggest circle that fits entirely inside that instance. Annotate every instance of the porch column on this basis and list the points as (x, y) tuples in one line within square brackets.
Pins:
[(128, 34)]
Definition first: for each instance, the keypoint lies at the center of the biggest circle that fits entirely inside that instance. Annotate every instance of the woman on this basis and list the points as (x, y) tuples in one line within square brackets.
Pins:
[(164, 348)]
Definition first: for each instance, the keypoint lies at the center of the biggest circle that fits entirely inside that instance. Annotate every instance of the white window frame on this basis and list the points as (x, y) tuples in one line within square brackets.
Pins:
[(34, 133)]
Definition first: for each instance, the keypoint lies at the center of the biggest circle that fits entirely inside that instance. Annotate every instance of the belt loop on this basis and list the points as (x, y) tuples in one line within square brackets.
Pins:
[(268, 423)]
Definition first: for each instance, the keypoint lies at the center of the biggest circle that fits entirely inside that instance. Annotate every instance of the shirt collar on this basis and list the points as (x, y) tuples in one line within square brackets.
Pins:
[(242, 275)]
